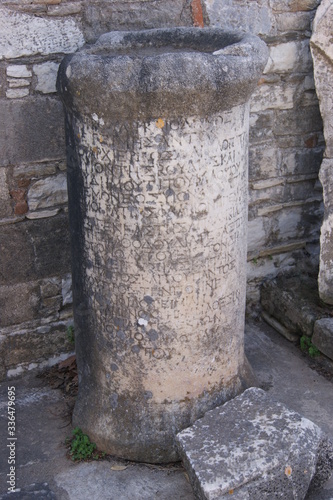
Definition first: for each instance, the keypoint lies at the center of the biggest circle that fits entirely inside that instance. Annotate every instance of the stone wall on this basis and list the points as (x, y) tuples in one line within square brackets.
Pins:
[(286, 140), (35, 297), (285, 199)]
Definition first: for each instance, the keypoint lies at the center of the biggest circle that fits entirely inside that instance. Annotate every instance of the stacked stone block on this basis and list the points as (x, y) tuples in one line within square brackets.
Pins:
[(286, 146)]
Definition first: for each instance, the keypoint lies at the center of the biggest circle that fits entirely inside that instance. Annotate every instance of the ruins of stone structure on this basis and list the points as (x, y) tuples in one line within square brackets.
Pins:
[(285, 149), (157, 140), (322, 52)]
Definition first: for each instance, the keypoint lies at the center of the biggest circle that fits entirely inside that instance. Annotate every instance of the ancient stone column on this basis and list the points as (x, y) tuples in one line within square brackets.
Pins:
[(157, 137), (322, 53)]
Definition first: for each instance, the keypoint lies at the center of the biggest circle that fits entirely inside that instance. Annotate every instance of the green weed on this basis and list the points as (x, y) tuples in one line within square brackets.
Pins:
[(70, 334), (81, 448), (308, 347)]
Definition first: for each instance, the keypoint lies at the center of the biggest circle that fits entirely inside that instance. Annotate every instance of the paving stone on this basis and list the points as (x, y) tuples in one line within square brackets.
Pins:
[(255, 448)]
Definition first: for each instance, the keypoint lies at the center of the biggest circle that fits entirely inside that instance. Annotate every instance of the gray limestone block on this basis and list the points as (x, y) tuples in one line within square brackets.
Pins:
[(294, 302), (323, 336), (255, 16), (255, 448), (100, 17), (31, 129), (33, 250), (19, 303)]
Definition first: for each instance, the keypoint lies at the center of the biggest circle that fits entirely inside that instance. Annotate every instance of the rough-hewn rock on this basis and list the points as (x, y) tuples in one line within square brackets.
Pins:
[(323, 336), (253, 447), (322, 51)]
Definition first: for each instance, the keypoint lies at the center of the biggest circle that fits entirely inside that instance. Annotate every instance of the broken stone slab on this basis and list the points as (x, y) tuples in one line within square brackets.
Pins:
[(255, 448), (323, 336)]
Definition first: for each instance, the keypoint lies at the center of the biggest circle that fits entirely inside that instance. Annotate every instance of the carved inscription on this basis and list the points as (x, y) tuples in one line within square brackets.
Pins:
[(165, 237)]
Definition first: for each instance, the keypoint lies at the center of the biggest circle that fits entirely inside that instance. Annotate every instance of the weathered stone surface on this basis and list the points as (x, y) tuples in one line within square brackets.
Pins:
[(19, 303), (23, 173), (254, 447), (264, 162), (273, 97), (64, 10), (325, 277), (322, 51), (101, 17), (24, 35), (17, 93), (48, 192), (154, 78), (42, 214), (294, 302), (281, 152), (301, 161), (32, 250), (323, 336), (32, 346), (256, 234), (50, 287), (306, 120), (292, 337), (5, 200), (295, 5), (31, 130), (67, 295), (288, 56), (261, 127), (255, 16), (18, 71), (18, 82), (46, 76), (158, 183), (294, 21)]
